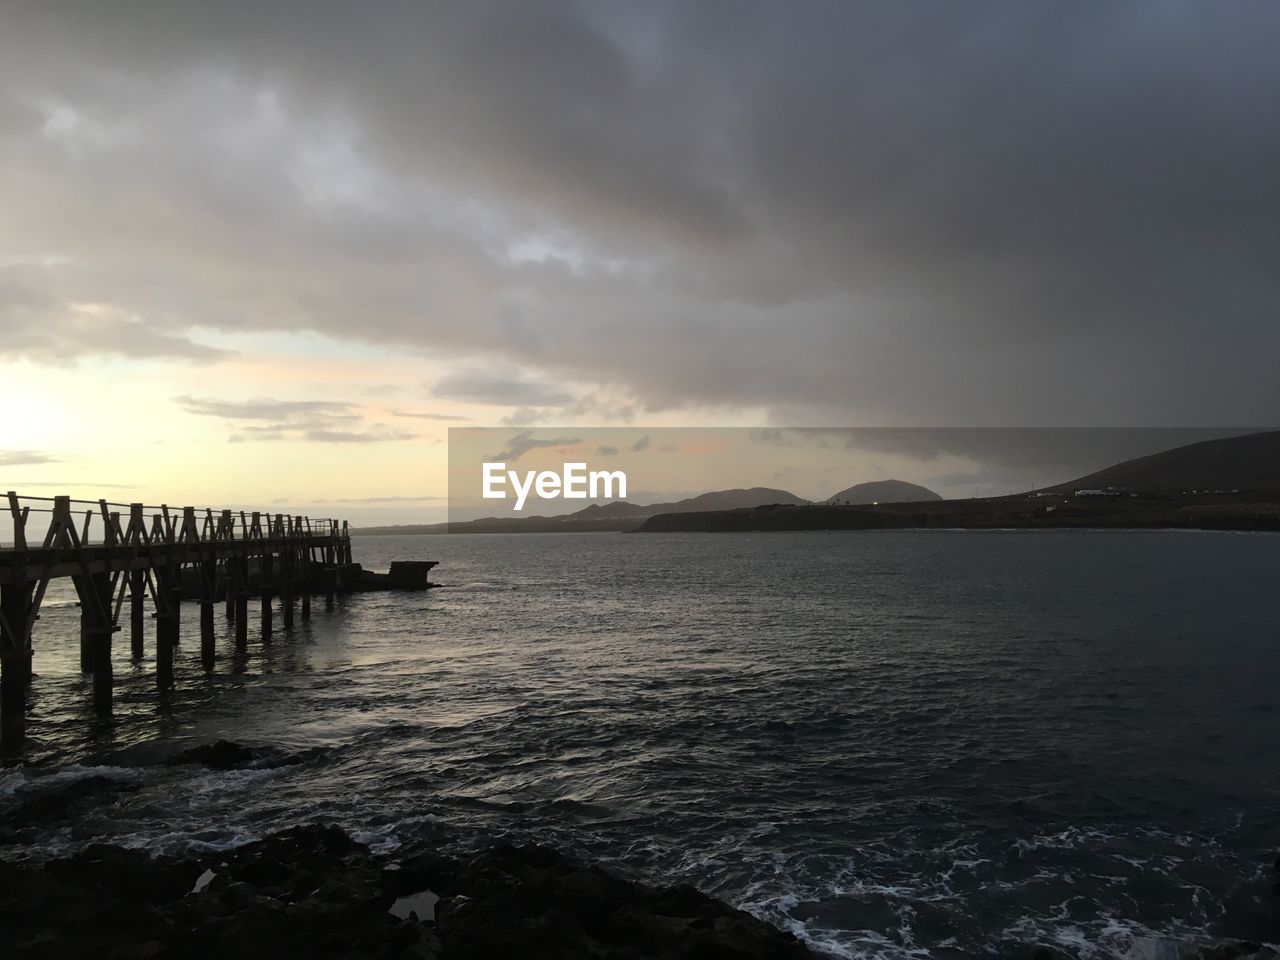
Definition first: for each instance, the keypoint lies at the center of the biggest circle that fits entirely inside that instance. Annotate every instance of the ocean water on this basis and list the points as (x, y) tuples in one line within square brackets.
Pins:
[(893, 743)]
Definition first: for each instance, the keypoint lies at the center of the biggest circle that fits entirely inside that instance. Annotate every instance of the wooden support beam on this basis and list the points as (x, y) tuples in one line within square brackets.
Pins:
[(95, 619), (208, 571), (266, 596), (286, 594), (242, 621), (239, 583), (229, 587), (15, 665), (166, 628), (137, 611), (86, 639), (208, 651), (96, 629), (103, 679), (284, 530)]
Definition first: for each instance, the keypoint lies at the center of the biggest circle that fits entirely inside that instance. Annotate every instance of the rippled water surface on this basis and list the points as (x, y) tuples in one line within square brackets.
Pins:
[(894, 743)]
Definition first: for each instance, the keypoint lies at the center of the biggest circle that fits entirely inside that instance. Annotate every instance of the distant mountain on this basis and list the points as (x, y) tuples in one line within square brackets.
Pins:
[(715, 500), (884, 491), (619, 515), (619, 508), (1247, 463), (726, 500), (1231, 483)]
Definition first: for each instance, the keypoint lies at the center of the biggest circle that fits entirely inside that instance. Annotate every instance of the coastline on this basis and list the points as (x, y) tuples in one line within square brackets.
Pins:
[(1249, 511), (1256, 512), (312, 890), (315, 890)]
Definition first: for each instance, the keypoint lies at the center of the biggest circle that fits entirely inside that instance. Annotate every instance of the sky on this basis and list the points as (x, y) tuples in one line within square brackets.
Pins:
[(267, 254)]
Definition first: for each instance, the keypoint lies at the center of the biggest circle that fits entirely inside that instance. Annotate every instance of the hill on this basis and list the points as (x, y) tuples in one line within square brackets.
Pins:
[(1246, 463), (728, 500), (1232, 483), (883, 491), (617, 516)]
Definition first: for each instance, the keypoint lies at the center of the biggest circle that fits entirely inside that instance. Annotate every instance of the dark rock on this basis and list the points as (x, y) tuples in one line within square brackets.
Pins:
[(221, 755), (128, 875), (42, 804), (1237, 950), (553, 907), (312, 891)]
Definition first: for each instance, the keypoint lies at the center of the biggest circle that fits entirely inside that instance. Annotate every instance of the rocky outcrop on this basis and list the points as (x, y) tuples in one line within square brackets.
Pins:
[(313, 891), (219, 755)]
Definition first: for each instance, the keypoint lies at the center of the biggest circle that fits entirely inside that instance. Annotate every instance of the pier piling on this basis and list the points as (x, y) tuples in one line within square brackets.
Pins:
[(147, 563), (242, 621), (208, 650), (266, 599), (137, 611), (15, 662)]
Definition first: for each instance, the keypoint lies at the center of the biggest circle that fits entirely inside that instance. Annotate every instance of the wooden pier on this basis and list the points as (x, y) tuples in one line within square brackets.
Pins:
[(143, 558)]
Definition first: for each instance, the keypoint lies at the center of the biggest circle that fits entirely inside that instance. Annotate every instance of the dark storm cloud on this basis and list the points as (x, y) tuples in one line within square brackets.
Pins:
[(37, 324), (892, 212), (1034, 456)]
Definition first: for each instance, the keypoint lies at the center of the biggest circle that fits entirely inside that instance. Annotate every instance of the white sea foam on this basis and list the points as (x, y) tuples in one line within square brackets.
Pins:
[(21, 781)]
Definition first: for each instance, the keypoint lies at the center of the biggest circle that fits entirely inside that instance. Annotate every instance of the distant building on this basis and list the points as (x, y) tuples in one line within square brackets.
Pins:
[(1092, 492)]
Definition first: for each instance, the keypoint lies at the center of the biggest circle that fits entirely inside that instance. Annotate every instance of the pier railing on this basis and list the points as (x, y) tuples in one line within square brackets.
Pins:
[(152, 557), (112, 523)]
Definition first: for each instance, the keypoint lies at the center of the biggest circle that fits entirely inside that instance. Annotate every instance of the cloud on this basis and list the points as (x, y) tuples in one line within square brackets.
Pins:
[(478, 386), (66, 485), (827, 213), (520, 444), (314, 421), (351, 436), (264, 408), (528, 417), (1029, 455), (18, 458), (424, 498), (607, 451), (641, 444), (39, 321), (429, 416)]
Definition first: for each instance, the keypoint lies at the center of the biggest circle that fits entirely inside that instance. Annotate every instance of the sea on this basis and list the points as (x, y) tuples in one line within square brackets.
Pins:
[(891, 743)]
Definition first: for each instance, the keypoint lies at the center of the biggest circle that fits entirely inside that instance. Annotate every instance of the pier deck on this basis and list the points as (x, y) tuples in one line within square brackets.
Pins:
[(148, 558)]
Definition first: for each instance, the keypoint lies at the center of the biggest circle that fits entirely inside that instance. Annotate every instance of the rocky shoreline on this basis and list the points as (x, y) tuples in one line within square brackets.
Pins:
[(313, 891)]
